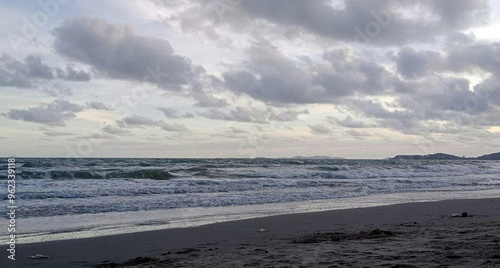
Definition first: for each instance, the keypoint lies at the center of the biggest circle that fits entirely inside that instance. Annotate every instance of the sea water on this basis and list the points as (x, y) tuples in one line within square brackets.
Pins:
[(61, 198)]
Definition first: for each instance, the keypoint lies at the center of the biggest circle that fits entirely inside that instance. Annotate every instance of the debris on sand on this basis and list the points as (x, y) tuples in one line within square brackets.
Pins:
[(463, 215), (187, 250), (39, 256), (323, 237), (377, 233), (131, 262), (261, 250), (404, 266), (140, 260)]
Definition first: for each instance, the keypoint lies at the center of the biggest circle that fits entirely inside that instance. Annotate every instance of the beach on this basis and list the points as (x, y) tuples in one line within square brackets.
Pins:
[(404, 235), (250, 133)]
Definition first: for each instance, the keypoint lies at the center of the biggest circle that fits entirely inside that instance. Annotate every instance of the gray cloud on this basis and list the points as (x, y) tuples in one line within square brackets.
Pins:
[(461, 13), (272, 77), (383, 22), (71, 74), (98, 106), (236, 130), (35, 68), (29, 73), (348, 122), (54, 89), (142, 121), (136, 120), (456, 58), (173, 127), (413, 64), (405, 121), (173, 113), (285, 116), (489, 90), (13, 73), (239, 114), (169, 112), (118, 51), (358, 134), (114, 130), (448, 101), (320, 129), (471, 56), (456, 96), (95, 136), (209, 101), (253, 115), (55, 113), (427, 93), (57, 133)]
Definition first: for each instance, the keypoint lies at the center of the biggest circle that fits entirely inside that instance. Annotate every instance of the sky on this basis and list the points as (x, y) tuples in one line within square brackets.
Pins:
[(361, 79)]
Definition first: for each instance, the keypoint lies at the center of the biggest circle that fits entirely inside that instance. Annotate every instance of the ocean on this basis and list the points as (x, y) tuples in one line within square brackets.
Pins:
[(64, 198)]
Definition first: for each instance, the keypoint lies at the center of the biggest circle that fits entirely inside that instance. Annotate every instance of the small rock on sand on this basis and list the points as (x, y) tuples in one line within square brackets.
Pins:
[(404, 266)]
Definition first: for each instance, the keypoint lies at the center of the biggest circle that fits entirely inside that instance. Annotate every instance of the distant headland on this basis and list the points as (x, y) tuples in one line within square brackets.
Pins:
[(442, 156)]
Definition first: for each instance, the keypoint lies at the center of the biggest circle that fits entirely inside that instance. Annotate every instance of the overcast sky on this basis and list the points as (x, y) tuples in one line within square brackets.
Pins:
[(248, 78)]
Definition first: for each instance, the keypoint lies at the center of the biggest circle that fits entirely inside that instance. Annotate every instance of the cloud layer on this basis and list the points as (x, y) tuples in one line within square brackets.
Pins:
[(54, 113), (379, 22), (209, 74), (119, 51), (28, 73)]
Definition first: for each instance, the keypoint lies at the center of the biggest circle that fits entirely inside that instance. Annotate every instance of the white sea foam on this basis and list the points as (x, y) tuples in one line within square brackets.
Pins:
[(40, 229)]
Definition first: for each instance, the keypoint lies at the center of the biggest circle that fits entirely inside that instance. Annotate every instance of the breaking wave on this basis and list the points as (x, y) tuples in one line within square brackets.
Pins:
[(153, 174), (52, 186)]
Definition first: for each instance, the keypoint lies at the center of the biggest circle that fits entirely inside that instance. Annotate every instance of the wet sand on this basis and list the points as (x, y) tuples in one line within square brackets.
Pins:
[(404, 235)]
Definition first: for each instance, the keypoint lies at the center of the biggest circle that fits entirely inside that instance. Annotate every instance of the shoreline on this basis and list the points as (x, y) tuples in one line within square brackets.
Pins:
[(228, 236), (116, 223)]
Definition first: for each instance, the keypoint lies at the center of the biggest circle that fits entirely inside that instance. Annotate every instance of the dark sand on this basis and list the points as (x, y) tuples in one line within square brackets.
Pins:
[(412, 235)]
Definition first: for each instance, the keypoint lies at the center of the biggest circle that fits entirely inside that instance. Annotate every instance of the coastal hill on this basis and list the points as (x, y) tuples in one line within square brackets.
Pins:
[(441, 156), (495, 156), (317, 157)]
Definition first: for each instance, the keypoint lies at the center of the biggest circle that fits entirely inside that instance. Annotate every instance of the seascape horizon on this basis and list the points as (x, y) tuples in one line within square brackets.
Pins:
[(250, 133)]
